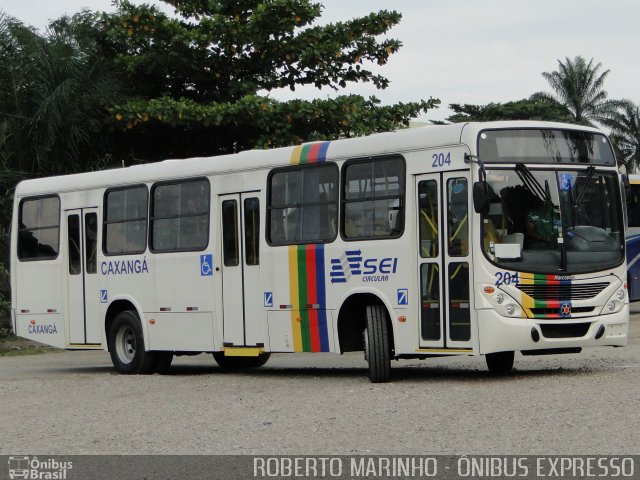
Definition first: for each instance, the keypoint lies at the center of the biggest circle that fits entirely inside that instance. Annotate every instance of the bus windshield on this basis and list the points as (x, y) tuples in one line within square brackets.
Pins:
[(553, 221)]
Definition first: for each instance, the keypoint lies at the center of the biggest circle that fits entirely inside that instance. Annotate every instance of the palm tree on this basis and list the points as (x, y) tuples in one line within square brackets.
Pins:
[(578, 86), (625, 132)]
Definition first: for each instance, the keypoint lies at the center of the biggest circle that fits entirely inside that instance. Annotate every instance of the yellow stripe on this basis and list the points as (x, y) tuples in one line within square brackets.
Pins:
[(295, 155), (243, 351), (85, 346), (445, 350), (296, 326)]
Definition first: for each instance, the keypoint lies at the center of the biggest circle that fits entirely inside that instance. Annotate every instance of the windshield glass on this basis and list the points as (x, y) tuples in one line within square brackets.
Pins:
[(553, 222), (544, 146)]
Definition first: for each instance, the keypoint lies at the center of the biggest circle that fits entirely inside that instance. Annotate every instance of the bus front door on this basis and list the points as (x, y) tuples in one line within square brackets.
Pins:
[(240, 214), (444, 261), (82, 273)]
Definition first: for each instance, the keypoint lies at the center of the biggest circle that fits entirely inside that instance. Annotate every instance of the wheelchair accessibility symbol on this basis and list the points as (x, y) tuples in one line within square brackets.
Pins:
[(206, 265)]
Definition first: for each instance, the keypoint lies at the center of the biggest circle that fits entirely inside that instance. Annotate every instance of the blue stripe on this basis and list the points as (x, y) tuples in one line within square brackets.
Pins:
[(322, 300)]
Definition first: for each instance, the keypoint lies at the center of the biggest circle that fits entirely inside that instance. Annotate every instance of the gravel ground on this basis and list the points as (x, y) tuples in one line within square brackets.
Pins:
[(74, 403)]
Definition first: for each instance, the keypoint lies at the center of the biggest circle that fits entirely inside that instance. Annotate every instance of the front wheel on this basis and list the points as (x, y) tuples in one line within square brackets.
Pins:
[(500, 363), (377, 349), (126, 345), (240, 363)]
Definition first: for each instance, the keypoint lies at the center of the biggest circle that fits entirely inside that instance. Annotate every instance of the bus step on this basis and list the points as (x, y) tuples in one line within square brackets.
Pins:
[(243, 351)]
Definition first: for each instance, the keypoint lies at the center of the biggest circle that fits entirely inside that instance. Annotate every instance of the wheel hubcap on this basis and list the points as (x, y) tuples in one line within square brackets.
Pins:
[(126, 344)]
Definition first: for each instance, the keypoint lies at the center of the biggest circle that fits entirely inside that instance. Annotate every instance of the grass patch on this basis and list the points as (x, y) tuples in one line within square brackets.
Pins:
[(11, 346)]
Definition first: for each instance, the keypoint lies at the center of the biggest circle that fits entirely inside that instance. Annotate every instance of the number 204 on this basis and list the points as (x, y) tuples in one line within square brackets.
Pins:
[(507, 278), (441, 159)]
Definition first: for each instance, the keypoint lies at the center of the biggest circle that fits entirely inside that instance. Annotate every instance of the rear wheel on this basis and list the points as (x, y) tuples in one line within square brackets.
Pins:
[(500, 362), (126, 345), (240, 363), (163, 362), (377, 349)]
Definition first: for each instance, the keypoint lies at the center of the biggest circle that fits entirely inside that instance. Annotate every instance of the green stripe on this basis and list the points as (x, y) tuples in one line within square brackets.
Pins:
[(304, 154), (302, 293)]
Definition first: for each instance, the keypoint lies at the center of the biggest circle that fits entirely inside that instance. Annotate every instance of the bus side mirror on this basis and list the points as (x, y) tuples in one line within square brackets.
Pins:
[(481, 198)]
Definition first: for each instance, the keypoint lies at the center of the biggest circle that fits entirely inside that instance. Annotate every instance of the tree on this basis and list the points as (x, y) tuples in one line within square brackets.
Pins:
[(579, 86), (625, 132), (200, 82), (54, 91), (525, 109)]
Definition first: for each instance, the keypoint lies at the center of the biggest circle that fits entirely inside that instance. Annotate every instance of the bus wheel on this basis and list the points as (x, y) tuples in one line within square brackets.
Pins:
[(126, 345), (376, 344), (240, 363), (500, 362)]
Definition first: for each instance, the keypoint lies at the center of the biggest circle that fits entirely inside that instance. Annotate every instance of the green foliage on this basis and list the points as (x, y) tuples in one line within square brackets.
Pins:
[(54, 91), (526, 109), (579, 86), (200, 82), (624, 123)]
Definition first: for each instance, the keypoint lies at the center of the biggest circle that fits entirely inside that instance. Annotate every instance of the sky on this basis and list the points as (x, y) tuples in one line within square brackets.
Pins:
[(463, 51)]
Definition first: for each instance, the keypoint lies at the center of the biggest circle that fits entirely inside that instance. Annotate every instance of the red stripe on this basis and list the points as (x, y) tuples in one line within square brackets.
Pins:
[(313, 153), (312, 297), (553, 304)]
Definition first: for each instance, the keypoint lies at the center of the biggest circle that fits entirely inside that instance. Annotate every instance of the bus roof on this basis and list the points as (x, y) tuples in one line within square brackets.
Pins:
[(399, 141)]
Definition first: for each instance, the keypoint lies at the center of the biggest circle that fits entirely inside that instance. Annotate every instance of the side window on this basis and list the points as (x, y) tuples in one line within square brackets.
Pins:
[(373, 198), (633, 205), (303, 205), (39, 228), (180, 216), (125, 221)]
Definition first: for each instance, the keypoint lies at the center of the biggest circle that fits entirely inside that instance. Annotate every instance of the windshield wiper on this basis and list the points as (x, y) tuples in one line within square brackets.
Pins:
[(531, 183), (583, 189)]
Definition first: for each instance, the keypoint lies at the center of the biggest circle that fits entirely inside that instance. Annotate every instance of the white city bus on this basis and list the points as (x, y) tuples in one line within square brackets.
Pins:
[(465, 239)]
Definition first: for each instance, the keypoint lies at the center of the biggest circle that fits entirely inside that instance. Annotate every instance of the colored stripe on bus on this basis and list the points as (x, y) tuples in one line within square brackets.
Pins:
[(528, 303), (310, 153), (308, 298)]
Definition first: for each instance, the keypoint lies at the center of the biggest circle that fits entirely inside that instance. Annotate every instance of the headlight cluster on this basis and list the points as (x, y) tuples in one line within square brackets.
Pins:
[(504, 304), (615, 302)]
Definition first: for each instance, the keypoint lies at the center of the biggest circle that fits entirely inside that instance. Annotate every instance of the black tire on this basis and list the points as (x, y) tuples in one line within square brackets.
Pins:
[(126, 345), (376, 341), (163, 363), (240, 363), (500, 363)]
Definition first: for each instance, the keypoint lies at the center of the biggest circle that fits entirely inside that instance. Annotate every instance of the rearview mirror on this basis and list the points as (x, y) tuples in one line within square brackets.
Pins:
[(481, 198)]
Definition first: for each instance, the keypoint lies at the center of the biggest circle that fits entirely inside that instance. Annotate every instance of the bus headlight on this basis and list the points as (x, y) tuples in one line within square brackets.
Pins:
[(505, 305), (615, 303)]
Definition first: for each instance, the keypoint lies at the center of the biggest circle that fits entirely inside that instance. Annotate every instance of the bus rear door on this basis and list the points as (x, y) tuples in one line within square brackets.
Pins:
[(82, 273), (240, 214)]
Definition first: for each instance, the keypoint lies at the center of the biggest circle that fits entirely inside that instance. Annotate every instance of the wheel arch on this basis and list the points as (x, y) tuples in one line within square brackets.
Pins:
[(118, 306), (352, 319)]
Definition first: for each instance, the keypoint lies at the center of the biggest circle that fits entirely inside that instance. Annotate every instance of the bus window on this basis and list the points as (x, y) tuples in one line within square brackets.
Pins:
[(458, 216), (230, 252), (39, 230), (91, 242), (252, 230), (428, 195), (373, 199), (633, 205), (303, 205), (125, 221), (459, 306), (73, 227), (180, 216)]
